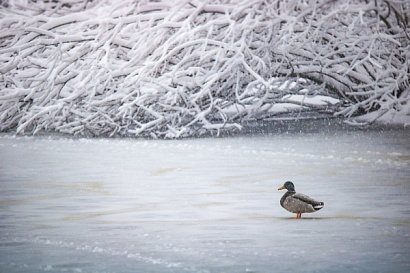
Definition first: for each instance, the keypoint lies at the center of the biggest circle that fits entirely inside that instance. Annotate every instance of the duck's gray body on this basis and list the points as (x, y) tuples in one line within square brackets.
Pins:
[(299, 203)]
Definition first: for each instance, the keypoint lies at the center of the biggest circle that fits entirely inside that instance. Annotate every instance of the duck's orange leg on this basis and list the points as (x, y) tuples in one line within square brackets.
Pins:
[(298, 215)]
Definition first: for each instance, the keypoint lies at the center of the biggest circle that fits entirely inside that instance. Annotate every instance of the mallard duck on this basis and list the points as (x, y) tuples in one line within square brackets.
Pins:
[(297, 202)]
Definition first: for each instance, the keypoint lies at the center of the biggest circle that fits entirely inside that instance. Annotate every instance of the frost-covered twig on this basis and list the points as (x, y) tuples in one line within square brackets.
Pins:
[(184, 68)]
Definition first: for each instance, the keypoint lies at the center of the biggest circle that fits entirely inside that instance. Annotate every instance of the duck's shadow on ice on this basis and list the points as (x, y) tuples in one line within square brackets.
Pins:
[(305, 218), (336, 217)]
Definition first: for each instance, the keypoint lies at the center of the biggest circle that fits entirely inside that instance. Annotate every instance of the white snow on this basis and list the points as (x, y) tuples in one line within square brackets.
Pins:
[(313, 100), (135, 68), (399, 117)]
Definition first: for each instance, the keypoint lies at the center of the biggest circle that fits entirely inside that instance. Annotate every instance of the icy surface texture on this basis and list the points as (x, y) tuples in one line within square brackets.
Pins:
[(205, 205)]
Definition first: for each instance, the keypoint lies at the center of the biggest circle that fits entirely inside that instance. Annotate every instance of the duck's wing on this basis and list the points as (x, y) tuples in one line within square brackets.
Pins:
[(308, 201)]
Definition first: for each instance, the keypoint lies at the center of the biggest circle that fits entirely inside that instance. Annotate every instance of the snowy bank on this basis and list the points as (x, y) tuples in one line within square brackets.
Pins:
[(389, 117), (176, 69)]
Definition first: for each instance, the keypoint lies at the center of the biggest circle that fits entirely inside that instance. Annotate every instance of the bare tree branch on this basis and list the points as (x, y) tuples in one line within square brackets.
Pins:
[(183, 68)]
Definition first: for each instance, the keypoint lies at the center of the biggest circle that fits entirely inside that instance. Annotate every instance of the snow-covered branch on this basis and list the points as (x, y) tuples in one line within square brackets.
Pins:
[(184, 68)]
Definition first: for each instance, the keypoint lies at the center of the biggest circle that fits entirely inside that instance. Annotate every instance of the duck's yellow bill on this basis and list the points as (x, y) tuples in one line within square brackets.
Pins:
[(281, 188)]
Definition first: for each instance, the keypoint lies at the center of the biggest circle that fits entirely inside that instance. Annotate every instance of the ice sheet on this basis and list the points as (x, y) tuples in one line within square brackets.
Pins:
[(205, 205)]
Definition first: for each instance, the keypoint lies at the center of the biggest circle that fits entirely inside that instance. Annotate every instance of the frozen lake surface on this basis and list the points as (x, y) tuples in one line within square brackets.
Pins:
[(205, 205)]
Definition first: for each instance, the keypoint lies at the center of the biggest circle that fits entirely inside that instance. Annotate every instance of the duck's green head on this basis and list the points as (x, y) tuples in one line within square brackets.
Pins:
[(288, 185)]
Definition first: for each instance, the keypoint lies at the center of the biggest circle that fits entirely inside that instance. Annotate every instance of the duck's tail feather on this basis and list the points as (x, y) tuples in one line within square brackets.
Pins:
[(319, 205)]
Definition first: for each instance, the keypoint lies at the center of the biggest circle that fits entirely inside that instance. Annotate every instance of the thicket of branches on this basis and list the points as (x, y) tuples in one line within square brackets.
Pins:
[(184, 68)]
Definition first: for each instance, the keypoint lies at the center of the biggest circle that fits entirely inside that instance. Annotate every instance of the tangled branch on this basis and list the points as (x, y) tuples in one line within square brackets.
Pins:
[(183, 68)]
